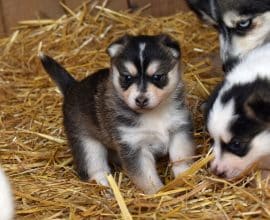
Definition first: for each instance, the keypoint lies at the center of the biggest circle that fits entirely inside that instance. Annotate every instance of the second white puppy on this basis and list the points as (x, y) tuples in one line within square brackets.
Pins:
[(238, 115)]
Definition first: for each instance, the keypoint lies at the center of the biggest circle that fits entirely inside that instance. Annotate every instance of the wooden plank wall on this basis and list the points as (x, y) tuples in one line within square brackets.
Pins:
[(12, 11), (160, 7)]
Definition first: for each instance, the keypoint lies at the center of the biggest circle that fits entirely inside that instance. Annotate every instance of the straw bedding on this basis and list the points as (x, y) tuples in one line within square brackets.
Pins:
[(33, 148)]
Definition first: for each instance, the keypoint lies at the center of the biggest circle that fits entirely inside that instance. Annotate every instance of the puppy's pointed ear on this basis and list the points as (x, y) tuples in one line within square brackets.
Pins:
[(257, 105), (117, 46), (205, 9), (171, 44)]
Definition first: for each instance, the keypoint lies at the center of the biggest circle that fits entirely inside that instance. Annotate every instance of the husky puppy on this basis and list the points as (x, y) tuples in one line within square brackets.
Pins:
[(6, 200), (238, 116), (243, 25), (133, 112)]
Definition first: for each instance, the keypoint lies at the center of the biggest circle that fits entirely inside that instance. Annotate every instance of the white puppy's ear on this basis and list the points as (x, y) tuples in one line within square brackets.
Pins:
[(171, 44), (257, 105), (117, 46), (207, 10)]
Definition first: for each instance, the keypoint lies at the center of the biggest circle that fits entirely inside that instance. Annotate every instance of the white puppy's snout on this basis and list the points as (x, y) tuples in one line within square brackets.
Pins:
[(218, 170)]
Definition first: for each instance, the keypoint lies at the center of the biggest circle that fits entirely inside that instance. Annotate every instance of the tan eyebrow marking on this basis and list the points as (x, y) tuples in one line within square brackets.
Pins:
[(131, 68), (152, 68)]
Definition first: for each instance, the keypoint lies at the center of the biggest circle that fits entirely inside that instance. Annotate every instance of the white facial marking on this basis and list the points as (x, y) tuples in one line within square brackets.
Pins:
[(6, 200), (142, 48), (96, 157)]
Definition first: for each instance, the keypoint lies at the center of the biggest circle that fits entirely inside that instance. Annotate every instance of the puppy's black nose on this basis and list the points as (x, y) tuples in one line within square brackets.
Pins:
[(141, 101), (221, 174)]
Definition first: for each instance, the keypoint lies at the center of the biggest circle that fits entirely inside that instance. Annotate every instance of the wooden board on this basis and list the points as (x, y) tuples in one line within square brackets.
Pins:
[(16, 10), (2, 23), (12, 11), (161, 7)]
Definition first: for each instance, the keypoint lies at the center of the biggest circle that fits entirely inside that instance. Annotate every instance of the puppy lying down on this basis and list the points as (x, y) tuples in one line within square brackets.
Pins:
[(238, 116)]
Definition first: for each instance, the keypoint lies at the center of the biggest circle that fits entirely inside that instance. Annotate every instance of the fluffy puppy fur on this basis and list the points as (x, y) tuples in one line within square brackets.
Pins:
[(238, 116), (6, 199), (132, 113), (243, 25)]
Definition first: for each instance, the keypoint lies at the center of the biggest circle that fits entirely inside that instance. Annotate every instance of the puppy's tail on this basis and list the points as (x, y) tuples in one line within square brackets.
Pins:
[(6, 199), (58, 73)]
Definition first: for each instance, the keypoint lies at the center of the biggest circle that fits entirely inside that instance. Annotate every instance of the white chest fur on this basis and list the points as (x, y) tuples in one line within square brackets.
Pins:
[(154, 128)]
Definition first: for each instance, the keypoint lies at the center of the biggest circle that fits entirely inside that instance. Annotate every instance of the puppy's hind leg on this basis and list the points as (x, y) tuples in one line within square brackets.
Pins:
[(91, 159)]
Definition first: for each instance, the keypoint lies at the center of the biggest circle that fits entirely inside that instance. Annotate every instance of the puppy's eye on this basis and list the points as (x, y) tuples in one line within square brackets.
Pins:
[(158, 77), (237, 147), (234, 145), (127, 78), (244, 25)]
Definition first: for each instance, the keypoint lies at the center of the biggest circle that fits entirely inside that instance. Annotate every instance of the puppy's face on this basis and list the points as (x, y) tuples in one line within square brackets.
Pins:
[(243, 25), (238, 122), (145, 70)]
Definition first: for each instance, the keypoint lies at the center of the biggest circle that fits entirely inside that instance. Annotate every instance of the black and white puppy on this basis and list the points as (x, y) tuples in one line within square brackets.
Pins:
[(238, 116), (134, 112), (6, 198), (243, 25)]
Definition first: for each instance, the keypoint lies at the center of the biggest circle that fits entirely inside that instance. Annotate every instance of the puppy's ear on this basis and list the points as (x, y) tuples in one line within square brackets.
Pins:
[(171, 44), (117, 46), (257, 105), (205, 9)]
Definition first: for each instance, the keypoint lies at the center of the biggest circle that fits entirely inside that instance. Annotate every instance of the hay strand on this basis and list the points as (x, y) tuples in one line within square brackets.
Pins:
[(119, 198)]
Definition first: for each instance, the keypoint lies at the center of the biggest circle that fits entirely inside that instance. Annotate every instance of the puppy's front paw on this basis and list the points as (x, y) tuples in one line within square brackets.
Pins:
[(153, 188), (179, 168), (100, 178)]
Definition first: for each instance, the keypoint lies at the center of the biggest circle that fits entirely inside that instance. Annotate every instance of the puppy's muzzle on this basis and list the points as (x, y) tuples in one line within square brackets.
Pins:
[(142, 101)]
